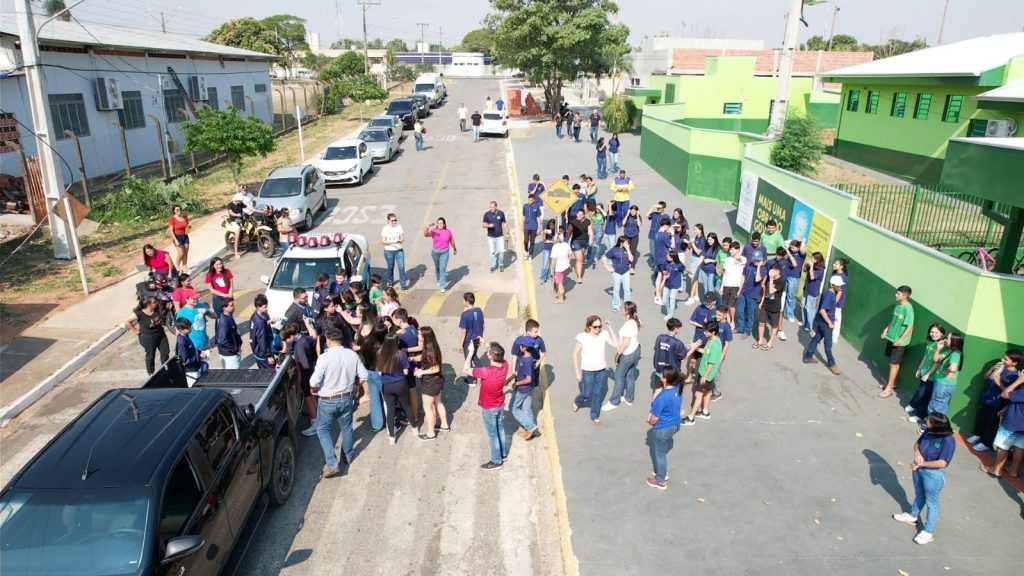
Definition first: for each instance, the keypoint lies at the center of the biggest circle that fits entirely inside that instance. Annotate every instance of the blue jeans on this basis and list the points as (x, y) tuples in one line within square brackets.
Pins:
[(625, 377), (650, 250), (670, 298), (231, 362), (593, 387), (602, 167), (494, 425), (476, 133), (928, 484), (792, 286), (545, 265), (496, 248), (660, 440), (419, 140), (594, 130), (821, 332), (708, 283), (608, 241), (392, 257), (941, 393), (522, 408), (810, 311), (746, 308), (327, 411), (376, 400), (614, 158), (558, 130), (576, 133), (922, 397), (620, 281), (441, 266)]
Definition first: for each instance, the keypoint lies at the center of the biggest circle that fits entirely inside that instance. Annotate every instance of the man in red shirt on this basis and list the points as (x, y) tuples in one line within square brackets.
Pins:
[(492, 403)]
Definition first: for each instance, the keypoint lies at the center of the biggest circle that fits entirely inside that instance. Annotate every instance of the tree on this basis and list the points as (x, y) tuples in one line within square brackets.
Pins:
[(51, 7), (397, 45), (479, 40), (618, 114), (437, 48), (291, 35), (361, 88), (840, 43), (248, 34), (422, 68), (347, 65), (402, 73), (895, 47), (798, 149), (347, 44), (551, 40), (315, 62), (228, 132), (375, 44)]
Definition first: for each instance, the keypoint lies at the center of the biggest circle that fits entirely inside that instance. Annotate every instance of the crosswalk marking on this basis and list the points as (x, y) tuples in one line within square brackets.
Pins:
[(481, 300), (433, 304)]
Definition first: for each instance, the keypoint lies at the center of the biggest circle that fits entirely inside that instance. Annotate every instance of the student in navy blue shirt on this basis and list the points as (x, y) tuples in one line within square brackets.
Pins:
[(654, 217), (824, 323), (1011, 431), (531, 220), (793, 266), (185, 350), (933, 453), (998, 378), (227, 340), (471, 322), (521, 403), (497, 226), (534, 343), (697, 244), (613, 152), (261, 337), (702, 314), (750, 293), (814, 275), (673, 279), (617, 261), (611, 223), (839, 269), (631, 230), (754, 247), (664, 421), (536, 187), (662, 246), (669, 351)]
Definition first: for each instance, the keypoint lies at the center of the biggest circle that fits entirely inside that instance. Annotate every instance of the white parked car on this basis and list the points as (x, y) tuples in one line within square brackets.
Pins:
[(300, 189), (345, 162), (300, 265), (382, 142), (388, 121), (494, 123)]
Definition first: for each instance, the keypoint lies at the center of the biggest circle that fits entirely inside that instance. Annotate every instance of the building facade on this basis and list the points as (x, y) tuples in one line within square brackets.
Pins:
[(898, 114), (106, 78)]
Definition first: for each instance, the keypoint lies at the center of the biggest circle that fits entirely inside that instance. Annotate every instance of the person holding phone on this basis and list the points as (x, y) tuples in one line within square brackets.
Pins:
[(442, 249)]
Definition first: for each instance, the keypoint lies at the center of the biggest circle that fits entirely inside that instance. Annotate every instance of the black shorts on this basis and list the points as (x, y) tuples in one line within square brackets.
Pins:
[(705, 387), (729, 295), (894, 353), (771, 318), (432, 384)]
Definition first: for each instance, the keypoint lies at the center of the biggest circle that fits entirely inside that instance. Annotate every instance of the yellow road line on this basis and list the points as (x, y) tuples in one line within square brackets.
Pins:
[(570, 565), (426, 213), (248, 310), (513, 308), (433, 304), (482, 296)]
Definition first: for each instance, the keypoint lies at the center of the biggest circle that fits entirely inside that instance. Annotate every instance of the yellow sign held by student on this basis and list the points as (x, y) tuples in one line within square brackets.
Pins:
[(558, 197)]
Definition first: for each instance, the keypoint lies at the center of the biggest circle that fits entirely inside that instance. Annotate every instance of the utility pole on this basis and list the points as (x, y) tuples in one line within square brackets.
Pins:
[(61, 230), (423, 40), (366, 53), (778, 119), (440, 38), (337, 10), (942, 25), (163, 23), (832, 29)]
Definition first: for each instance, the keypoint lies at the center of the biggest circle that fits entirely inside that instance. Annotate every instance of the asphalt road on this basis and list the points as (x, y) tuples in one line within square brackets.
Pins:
[(412, 508)]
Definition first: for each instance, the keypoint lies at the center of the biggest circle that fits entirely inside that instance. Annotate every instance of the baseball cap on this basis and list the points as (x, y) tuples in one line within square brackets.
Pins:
[(837, 280), (238, 197)]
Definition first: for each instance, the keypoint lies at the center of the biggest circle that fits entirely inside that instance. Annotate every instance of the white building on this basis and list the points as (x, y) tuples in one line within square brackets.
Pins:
[(467, 64), (656, 54), (378, 57), (101, 75)]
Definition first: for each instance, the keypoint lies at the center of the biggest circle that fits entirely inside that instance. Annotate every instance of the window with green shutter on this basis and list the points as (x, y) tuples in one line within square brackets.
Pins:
[(951, 111), (872, 106), (922, 106), (852, 100), (899, 105), (977, 127)]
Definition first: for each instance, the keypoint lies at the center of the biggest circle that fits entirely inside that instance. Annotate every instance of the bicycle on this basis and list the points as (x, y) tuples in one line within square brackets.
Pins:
[(987, 259)]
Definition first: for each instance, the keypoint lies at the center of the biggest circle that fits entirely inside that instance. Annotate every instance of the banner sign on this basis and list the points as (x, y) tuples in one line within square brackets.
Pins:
[(748, 198)]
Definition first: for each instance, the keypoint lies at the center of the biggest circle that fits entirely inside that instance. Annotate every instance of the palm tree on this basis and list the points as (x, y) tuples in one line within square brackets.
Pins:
[(54, 6)]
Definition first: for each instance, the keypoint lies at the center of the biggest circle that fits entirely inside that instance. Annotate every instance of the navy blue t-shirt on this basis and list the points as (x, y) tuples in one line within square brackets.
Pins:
[(631, 227), (934, 447), (828, 304), (408, 338), (535, 344), (619, 260), (655, 220), (472, 321), (662, 245), (697, 245), (845, 289), (524, 368), (813, 287), (992, 394), (668, 351), (403, 365), (610, 221), (709, 254), (531, 214), (498, 219), (700, 315), (675, 276), (751, 286), (794, 271), (613, 145), (1013, 418), (749, 250)]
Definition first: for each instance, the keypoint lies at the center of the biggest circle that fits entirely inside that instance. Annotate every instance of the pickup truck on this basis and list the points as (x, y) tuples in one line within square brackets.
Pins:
[(157, 480)]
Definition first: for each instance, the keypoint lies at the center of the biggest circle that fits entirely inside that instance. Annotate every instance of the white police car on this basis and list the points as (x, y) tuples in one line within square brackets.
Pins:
[(309, 255)]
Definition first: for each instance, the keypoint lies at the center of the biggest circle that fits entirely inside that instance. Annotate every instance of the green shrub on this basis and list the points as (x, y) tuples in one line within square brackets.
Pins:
[(798, 149), (143, 200), (619, 114)]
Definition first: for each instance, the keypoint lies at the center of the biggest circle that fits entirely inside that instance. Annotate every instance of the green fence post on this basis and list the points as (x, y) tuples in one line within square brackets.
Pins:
[(913, 212), (989, 229)]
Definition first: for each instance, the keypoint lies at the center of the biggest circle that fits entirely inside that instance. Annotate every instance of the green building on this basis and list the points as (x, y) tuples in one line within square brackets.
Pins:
[(898, 114), (731, 96)]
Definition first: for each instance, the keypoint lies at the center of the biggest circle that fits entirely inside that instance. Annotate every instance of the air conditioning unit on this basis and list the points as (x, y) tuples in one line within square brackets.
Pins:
[(197, 87), (108, 97), (1000, 128)]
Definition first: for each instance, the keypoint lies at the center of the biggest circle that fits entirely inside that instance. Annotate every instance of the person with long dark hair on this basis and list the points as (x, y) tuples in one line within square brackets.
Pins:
[(368, 343), (918, 405), (664, 421), (602, 159), (814, 273), (998, 378), (948, 359), (146, 322), (627, 359), (933, 453), (431, 375), (393, 365), (179, 227), (697, 244), (839, 269), (442, 247), (159, 262), (221, 283), (1010, 434)]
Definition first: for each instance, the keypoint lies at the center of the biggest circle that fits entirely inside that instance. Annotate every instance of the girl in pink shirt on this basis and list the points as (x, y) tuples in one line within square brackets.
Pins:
[(443, 248)]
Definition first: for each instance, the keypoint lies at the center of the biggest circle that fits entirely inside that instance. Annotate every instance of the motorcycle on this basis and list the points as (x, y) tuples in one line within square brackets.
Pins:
[(257, 229), (157, 286)]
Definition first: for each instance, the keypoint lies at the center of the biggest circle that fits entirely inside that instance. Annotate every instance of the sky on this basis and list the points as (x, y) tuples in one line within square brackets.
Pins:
[(449, 20)]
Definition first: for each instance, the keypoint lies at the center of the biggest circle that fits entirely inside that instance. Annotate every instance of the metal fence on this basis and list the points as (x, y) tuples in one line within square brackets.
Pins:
[(937, 218)]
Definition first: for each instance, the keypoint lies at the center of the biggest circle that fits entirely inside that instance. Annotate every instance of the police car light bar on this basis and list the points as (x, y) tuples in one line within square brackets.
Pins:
[(316, 240)]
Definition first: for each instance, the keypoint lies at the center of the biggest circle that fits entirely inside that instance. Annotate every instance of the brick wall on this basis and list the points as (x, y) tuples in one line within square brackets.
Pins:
[(767, 61)]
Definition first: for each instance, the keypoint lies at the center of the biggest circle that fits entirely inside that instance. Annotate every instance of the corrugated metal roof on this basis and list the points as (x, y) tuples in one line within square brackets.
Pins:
[(108, 36), (965, 58), (1012, 92)]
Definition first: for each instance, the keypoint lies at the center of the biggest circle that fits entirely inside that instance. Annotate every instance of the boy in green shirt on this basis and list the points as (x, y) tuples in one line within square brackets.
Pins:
[(897, 336), (771, 238), (376, 293), (710, 361)]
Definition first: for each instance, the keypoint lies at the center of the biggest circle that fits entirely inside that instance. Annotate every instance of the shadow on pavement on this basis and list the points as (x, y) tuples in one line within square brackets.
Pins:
[(882, 474)]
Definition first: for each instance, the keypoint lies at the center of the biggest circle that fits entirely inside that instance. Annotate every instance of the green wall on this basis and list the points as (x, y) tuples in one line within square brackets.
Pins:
[(991, 172), (907, 147)]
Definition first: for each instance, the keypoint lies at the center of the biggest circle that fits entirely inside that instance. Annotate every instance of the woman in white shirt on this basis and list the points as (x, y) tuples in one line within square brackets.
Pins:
[(627, 357), (588, 358)]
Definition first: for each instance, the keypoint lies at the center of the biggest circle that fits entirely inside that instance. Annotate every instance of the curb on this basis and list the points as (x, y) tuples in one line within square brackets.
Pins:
[(7, 413)]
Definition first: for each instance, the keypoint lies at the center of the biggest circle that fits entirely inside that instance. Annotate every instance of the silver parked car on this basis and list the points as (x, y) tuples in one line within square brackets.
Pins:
[(382, 142), (388, 121), (300, 189)]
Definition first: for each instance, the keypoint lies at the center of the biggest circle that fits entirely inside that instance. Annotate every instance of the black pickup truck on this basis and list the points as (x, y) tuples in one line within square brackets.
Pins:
[(157, 480)]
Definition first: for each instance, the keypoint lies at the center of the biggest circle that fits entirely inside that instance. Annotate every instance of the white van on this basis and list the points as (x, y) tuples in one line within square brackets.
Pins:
[(432, 86)]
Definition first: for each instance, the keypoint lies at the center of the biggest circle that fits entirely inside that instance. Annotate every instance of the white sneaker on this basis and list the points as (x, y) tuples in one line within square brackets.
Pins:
[(909, 409), (690, 301), (657, 300), (311, 431), (923, 537), (973, 439), (913, 419), (626, 402), (980, 447), (905, 518), (608, 406), (782, 336)]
